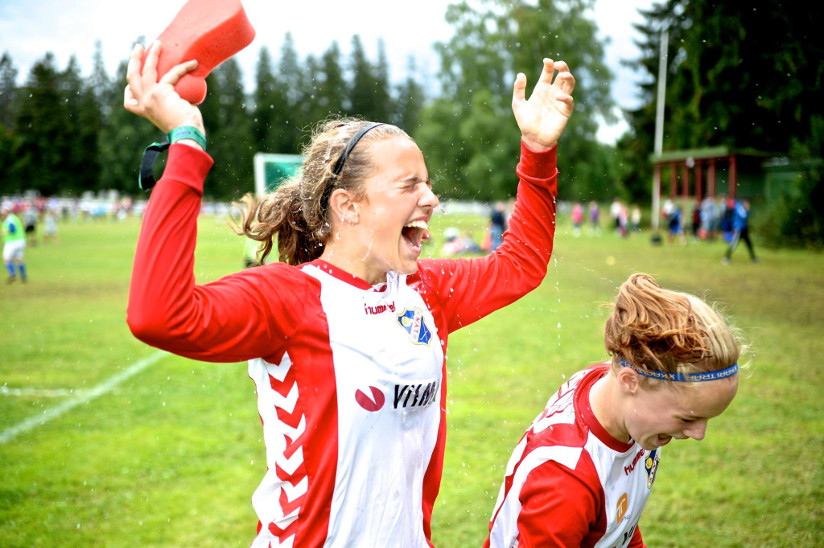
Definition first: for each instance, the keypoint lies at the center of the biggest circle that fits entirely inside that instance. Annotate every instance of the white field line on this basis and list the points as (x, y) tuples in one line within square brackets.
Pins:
[(86, 395), (42, 392)]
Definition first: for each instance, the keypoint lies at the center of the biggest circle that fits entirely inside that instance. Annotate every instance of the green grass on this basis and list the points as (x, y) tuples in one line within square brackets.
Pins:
[(171, 456)]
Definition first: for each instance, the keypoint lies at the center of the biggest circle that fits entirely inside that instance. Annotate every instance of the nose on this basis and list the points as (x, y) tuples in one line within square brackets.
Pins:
[(429, 198), (696, 430)]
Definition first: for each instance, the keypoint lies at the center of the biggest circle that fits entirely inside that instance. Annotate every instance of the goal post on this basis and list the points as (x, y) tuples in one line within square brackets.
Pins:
[(271, 170)]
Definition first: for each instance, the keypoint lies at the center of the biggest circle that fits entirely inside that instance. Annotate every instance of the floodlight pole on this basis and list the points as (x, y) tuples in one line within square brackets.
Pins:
[(659, 129)]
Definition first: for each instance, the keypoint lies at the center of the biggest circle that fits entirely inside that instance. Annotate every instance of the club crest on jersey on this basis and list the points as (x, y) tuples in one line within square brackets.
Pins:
[(651, 466), (412, 321)]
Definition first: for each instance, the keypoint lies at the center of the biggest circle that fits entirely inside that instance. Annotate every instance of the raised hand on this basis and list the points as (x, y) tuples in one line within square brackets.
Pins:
[(156, 100), (543, 117)]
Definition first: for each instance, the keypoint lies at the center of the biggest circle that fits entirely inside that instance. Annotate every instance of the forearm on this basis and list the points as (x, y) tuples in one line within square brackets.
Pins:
[(163, 270)]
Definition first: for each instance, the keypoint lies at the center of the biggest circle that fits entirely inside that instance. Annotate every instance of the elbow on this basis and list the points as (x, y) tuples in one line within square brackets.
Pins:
[(535, 271), (144, 325)]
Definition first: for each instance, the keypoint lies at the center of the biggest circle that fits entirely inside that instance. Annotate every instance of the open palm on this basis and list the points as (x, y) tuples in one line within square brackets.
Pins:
[(543, 117)]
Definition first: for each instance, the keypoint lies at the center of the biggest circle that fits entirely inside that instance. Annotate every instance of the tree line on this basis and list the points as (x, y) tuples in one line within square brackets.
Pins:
[(741, 76)]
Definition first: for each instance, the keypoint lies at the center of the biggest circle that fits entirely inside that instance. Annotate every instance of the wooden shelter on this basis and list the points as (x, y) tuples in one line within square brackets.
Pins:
[(716, 171)]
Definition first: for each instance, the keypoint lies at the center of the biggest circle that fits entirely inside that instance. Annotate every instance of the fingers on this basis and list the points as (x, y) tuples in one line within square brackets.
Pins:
[(548, 71), (133, 78), (129, 100), (565, 80), (519, 89), (150, 66), (178, 71)]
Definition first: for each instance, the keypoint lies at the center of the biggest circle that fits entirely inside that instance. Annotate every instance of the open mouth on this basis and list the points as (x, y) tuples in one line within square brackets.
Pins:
[(663, 439), (415, 233)]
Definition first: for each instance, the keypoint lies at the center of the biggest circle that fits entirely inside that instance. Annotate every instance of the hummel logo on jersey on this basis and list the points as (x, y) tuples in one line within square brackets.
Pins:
[(379, 309), (415, 395), (370, 404), (628, 469), (412, 322)]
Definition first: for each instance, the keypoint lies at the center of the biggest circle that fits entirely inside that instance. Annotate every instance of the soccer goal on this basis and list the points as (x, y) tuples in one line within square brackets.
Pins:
[(271, 170)]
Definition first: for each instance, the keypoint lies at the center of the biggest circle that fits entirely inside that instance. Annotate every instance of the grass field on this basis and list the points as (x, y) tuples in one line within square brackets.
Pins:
[(107, 442)]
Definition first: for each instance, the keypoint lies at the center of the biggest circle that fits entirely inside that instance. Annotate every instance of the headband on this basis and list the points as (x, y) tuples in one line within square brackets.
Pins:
[(350, 145), (336, 171), (681, 377)]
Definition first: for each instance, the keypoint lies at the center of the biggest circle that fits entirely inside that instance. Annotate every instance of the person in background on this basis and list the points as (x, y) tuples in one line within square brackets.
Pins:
[(577, 216), (594, 219), (635, 218), (346, 335), (582, 473), (740, 224), (695, 220), (30, 223), (615, 214), (14, 244), (497, 225), (709, 218), (50, 226), (675, 223)]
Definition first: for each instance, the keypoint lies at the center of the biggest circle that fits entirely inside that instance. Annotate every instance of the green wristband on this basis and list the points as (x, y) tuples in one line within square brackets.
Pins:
[(187, 132)]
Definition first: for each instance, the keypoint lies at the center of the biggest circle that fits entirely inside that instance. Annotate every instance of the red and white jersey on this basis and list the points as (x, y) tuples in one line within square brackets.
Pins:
[(569, 482), (350, 378)]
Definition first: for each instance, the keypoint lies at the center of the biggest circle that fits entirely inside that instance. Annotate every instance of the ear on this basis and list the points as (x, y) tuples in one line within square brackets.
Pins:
[(628, 380), (344, 207)]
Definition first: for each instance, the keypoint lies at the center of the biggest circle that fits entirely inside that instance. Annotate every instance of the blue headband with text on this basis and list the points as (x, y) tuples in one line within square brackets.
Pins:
[(681, 377)]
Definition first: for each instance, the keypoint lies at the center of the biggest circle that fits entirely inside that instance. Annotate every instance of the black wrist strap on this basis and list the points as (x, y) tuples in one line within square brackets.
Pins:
[(145, 178)]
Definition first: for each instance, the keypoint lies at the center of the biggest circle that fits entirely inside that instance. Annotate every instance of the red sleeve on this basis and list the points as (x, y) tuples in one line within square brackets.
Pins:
[(559, 506), (241, 316), (473, 288)]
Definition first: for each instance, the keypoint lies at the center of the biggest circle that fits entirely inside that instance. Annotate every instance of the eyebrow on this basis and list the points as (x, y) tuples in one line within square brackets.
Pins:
[(414, 178)]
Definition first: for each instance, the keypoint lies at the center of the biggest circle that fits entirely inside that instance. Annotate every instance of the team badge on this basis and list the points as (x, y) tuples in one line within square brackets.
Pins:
[(412, 321), (651, 466)]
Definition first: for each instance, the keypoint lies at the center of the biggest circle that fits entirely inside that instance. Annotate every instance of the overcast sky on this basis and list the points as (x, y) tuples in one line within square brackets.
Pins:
[(30, 28)]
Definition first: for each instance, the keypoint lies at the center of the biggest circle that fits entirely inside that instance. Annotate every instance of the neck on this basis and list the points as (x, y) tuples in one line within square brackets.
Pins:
[(605, 403), (352, 261)]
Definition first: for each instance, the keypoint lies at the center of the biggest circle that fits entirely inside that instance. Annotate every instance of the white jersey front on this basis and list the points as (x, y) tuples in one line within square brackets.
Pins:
[(388, 389)]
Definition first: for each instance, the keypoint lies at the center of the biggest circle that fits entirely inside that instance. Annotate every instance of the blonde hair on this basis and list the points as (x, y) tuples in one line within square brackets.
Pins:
[(296, 213), (657, 329)]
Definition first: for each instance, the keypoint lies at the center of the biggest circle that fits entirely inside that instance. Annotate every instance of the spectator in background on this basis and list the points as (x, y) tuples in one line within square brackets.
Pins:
[(623, 221), (30, 222), (615, 213), (635, 218), (577, 217), (497, 225), (725, 223), (696, 219), (709, 218), (458, 244), (594, 219), (675, 222), (740, 229), (50, 226)]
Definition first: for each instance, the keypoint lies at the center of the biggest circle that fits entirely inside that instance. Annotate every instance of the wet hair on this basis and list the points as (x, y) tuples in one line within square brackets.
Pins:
[(296, 213), (657, 329)]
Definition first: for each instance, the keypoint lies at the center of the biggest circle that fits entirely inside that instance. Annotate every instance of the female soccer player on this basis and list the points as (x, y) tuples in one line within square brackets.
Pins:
[(346, 335), (582, 473)]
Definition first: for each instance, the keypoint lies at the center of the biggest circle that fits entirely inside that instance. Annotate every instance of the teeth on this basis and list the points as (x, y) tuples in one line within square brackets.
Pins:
[(418, 224)]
